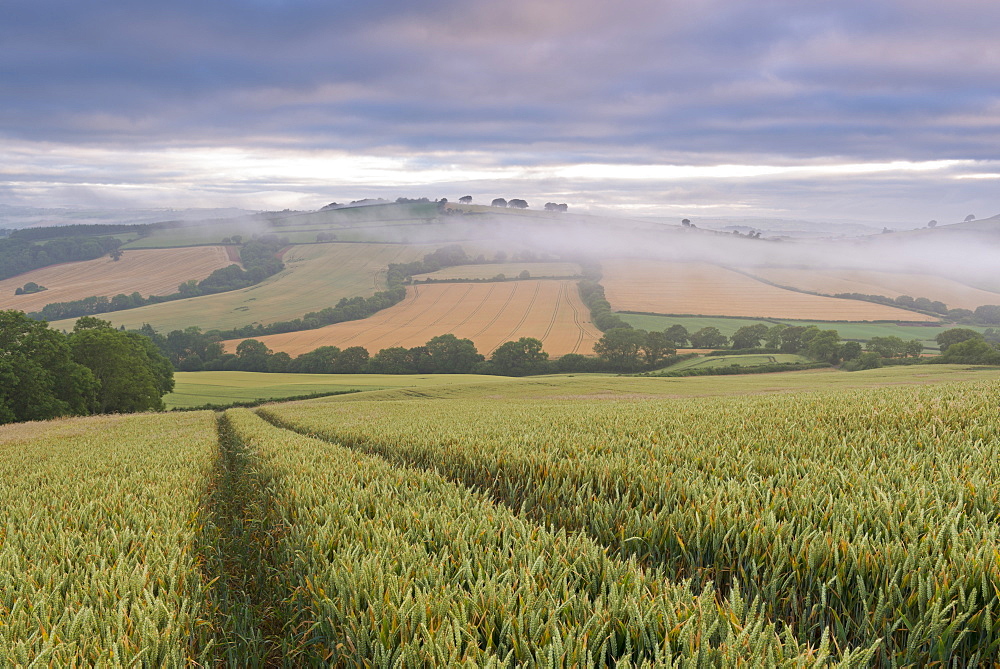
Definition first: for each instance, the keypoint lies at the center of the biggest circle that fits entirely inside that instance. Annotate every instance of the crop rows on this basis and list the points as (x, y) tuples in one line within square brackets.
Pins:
[(399, 567), (98, 560), (871, 515)]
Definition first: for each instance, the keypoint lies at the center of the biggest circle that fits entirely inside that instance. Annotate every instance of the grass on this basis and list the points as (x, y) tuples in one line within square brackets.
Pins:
[(195, 389), (199, 388), (738, 360), (855, 331)]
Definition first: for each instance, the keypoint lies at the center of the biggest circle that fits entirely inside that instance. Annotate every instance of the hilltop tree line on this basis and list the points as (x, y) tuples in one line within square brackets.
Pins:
[(94, 369), (19, 255), (259, 262)]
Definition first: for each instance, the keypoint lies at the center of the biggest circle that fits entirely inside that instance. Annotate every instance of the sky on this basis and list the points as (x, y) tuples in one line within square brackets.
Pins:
[(868, 110)]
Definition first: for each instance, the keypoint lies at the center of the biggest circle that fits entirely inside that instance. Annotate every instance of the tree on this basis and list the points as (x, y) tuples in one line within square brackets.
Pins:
[(850, 350), (772, 339), (525, 274), (791, 338), (352, 360), (970, 217), (38, 377), (887, 347), (709, 337), (450, 355), (677, 335), (686, 222), (499, 202), (749, 336), (955, 336), (932, 223), (517, 204), (253, 355), (620, 347), (465, 199), (976, 351), (116, 254), (519, 358), (132, 373), (657, 346), (822, 345), (322, 360), (394, 360)]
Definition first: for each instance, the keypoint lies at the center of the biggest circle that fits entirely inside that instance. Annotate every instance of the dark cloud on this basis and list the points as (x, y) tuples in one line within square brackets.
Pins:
[(556, 82)]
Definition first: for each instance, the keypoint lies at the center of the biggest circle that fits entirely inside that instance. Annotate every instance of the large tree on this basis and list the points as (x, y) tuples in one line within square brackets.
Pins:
[(749, 336), (450, 355), (708, 337), (621, 347), (656, 346), (519, 358), (38, 377), (132, 373)]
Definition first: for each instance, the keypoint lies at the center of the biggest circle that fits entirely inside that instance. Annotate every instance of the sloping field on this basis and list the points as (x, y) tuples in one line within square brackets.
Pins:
[(891, 284), (315, 276), (487, 313), (699, 288), (510, 270), (148, 272)]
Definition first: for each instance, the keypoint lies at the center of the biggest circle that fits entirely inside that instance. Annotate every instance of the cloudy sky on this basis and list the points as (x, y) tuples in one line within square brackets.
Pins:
[(872, 110)]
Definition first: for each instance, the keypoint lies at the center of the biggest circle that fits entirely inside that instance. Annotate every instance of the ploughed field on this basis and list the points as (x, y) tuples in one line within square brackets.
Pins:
[(487, 313), (852, 526), (316, 276), (146, 271), (890, 284), (663, 287)]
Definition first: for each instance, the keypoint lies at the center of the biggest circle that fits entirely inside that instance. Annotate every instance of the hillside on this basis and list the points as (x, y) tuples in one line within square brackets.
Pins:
[(148, 272), (704, 289)]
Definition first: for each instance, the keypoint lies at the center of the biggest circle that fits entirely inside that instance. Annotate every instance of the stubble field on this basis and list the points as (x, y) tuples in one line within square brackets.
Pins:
[(890, 284), (147, 271), (664, 287), (487, 313)]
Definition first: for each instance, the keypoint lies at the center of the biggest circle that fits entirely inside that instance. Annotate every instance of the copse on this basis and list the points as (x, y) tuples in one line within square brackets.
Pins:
[(96, 369)]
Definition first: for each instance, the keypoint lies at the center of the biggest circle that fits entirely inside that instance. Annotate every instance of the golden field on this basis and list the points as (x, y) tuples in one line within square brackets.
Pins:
[(487, 313), (890, 284), (663, 287), (146, 271)]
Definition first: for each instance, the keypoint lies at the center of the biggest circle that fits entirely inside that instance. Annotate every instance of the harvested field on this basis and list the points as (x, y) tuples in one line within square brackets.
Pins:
[(891, 284), (510, 270), (146, 271), (702, 289), (316, 276), (487, 313)]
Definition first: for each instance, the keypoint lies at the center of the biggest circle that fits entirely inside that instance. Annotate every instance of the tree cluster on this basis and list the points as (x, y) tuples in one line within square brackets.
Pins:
[(95, 369), (19, 254), (968, 347), (29, 288), (552, 206)]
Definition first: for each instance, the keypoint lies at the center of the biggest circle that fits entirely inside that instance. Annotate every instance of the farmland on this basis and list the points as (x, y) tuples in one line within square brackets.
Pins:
[(702, 289), (148, 272), (487, 313), (194, 389), (890, 284), (316, 276), (99, 562), (774, 498), (796, 520), (857, 331)]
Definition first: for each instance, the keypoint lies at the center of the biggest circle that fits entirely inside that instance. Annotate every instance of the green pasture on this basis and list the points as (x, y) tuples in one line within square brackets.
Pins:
[(859, 331), (753, 360), (198, 388)]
